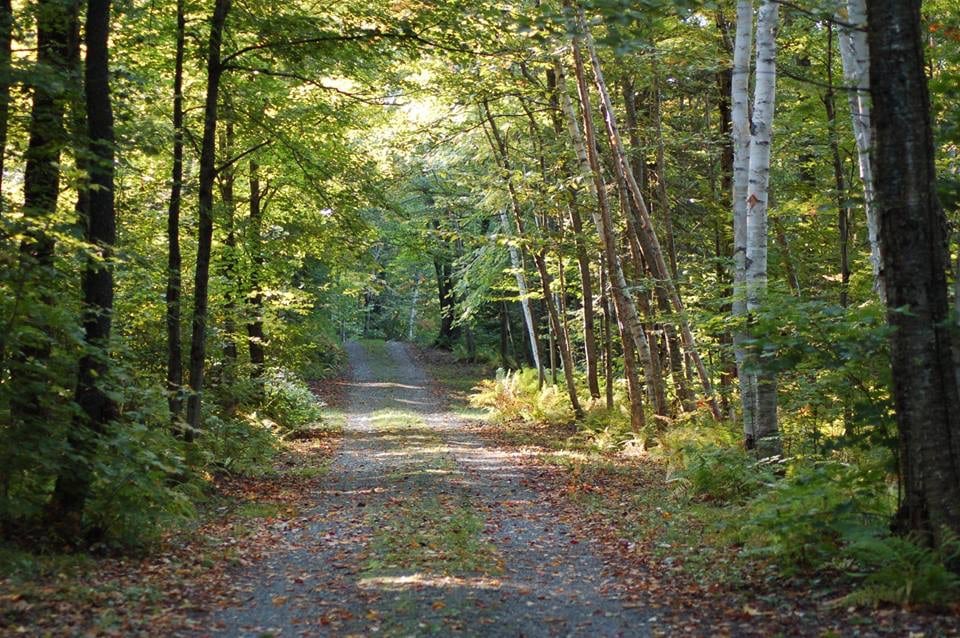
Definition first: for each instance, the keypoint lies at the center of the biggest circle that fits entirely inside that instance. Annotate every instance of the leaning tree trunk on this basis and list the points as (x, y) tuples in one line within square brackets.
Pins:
[(916, 262), (628, 320), (651, 247), (740, 134), (766, 435), (208, 147), (855, 57), (97, 408), (174, 258)]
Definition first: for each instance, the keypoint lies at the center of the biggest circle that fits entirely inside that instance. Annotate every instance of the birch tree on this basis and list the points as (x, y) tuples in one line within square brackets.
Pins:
[(765, 434), (851, 15), (740, 132)]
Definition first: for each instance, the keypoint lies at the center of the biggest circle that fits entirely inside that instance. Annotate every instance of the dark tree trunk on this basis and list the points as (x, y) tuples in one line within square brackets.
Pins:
[(449, 333), (97, 408), (228, 269), (56, 25), (6, 41), (256, 340), (174, 259), (198, 341), (915, 259), (840, 182)]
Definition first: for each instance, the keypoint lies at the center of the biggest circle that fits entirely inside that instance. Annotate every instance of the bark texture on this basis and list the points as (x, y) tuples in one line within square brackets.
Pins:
[(916, 262)]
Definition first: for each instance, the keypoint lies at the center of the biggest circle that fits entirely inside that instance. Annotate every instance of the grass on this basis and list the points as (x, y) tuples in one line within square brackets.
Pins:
[(439, 535)]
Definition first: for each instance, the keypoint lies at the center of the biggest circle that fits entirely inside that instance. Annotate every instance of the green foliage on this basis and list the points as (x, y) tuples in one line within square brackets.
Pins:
[(514, 396), (133, 498), (290, 402), (904, 571), (810, 518), (722, 473)]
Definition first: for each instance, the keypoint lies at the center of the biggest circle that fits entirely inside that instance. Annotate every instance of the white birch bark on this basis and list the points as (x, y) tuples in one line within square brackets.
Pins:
[(757, 211), (740, 132), (413, 311), (855, 57), (517, 265)]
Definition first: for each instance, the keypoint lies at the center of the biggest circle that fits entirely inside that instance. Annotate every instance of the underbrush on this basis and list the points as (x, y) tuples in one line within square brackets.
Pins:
[(825, 513)]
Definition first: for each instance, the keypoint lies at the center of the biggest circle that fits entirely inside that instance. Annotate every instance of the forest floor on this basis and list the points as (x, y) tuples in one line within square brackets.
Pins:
[(423, 520)]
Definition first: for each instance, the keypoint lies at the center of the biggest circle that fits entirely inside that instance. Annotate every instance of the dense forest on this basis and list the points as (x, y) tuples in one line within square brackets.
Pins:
[(713, 240)]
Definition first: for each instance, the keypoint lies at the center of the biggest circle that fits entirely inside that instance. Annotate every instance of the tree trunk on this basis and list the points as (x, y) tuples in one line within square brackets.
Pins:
[(628, 320), (198, 341), (915, 260), (229, 267), (607, 341), (740, 133), (56, 24), (256, 340), (766, 435), (839, 180), (6, 55), (174, 258), (651, 247), (97, 408), (855, 57)]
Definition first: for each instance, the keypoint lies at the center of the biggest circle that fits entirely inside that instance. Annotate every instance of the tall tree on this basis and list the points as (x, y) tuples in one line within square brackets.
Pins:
[(6, 79), (97, 406), (765, 431), (174, 258), (56, 24), (208, 173), (740, 134), (916, 263)]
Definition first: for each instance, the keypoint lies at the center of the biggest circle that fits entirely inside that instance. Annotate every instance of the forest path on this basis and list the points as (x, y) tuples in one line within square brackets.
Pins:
[(422, 530)]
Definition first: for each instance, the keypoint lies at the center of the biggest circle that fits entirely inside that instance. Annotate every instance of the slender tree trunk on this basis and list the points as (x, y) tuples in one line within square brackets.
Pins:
[(628, 320), (916, 262), (607, 341), (6, 56), (229, 270), (256, 340), (740, 132), (767, 439), (174, 258), (651, 247), (855, 57), (96, 405), (198, 341), (839, 180)]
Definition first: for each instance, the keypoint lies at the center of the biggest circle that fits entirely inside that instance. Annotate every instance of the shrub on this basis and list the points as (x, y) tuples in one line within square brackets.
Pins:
[(291, 404), (809, 518), (903, 571), (514, 396), (722, 473)]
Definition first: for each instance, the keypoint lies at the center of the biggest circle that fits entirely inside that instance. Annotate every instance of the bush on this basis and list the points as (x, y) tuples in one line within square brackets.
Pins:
[(514, 396), (722, 473), (291, 404), (905, 572), (809, 518)]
